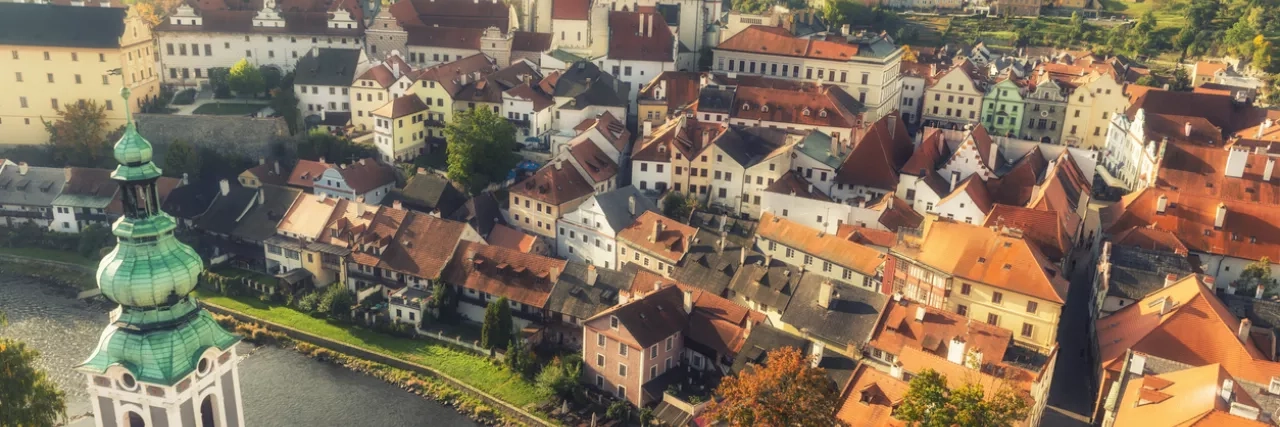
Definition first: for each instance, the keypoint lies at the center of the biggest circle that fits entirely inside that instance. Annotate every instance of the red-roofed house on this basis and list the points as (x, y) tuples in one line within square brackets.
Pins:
[(365, 179), (641, 46), (538, 201), (483, 273), (380, 84)]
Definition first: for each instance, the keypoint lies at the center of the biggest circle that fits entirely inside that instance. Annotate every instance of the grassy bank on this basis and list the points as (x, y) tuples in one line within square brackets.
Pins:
[(80, 278), (464, 366), (51, 255)]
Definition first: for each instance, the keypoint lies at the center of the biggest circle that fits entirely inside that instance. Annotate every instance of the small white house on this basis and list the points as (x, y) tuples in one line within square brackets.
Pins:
[(589, 234)]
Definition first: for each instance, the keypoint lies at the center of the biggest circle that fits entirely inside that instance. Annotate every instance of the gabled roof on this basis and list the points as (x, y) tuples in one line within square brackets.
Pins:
[(511, 238), (977, 192), (776, 100), (327, 67), (616, 205), (652, 318), (367, 174), (629, 40), (384, 74), (452, 13), (598, 165), (881, 152), (678, 88), (481, 212), (87, 188), (521, 277), (870, 397), (902, 326), (849, 318), (766, 281), (61, 26), (792, 184), (266, 173), (670, 245), (896, 213), (190, 201), (306, 172), (577, 10), (1195, 328), (929, 155), (760, 39), (1190, 397), (707, 265), (1136, 272), (429, 192), (749, 146), (525, 41), (39, 186), (1149, 238), (556, 183), (1190, 218), (588, 85), (574, 296), (400, 107), (997, 258), (1041, 228), (453, 76), (823, 245)]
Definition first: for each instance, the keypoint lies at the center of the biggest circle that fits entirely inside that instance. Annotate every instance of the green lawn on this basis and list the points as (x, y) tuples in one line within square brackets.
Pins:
[(464, 366), (228, 109), (236, 273), (51, 255), (1168, 13)]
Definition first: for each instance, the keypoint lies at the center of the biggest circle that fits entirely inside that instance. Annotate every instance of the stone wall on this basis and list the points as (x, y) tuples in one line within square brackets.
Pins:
[(250, 137)]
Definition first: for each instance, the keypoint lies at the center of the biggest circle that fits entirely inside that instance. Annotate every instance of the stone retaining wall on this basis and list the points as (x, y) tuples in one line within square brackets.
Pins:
[(509, 409)]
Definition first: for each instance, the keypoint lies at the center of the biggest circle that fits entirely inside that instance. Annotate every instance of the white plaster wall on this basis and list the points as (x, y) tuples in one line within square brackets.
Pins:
[(281, 50), (647, 172)]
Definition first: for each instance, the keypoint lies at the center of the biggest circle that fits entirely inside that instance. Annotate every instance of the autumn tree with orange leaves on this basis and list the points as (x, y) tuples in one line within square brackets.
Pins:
[(786, 391), (154, 11)]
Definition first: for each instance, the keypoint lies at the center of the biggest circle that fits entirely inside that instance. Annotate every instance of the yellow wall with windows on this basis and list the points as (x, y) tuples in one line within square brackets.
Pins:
[(366, 96), (654, 112), (1012, 312), (434, 95), (33, 78)]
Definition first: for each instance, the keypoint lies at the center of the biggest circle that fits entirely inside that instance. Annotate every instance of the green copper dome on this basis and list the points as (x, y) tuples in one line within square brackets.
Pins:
[(149, 273), (162, 356), (132, 148)]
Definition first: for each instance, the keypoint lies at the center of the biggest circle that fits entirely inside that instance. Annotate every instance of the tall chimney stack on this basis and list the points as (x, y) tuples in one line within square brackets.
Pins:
[(824, 294), (657, 231), (1220, 217), (591, 274), (1162, 203), (1243, 332)]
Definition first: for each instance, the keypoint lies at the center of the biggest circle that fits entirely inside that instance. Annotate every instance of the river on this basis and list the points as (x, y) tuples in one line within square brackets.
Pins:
[(280, 387)]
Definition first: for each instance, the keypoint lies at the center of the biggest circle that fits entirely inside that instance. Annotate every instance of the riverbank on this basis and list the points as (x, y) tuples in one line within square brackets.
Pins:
[(424, 386), (70, 276)]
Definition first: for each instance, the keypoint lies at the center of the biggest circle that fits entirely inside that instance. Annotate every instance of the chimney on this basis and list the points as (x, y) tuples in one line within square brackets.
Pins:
[(1221, 216), (1228, 388), (322, 160), (955, 350), (395, 69), (186, 179), (591, 274), (262, 161), (1209, 282), (1186, 130), (1266, 173), (223, 185), (361, 162), (1166, 305), (920, 312), (835, 148), (1262, 289), (720, 245), (688, 301), (1161, 203), (360, 206), (397, 205), (277, 167), (558, 165), (824, 294), (1243, 332), (22, 168), (896, 370), (815, 353), (631, 205), (706, 138), (657, 231), (1169, 279), (1237, 161), (554, 274), (746, 329), (262, 195), (742, 259), (648, 128), (768, 259), (955, 180)]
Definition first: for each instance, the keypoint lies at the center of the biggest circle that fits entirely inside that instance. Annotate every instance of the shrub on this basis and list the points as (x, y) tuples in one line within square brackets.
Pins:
[(309, 302), (185, 97), (336, 302), (560, 378), (618, 410)]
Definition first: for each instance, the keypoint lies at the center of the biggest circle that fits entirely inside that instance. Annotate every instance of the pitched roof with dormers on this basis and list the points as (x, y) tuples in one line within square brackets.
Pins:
[(1189, 397), (455, 76), (901, 326), (452, 13), (829, 247), (670, 245), (521, 277), (556, 183), (760, 39), (870, 397), (629, 40), (998, 258)]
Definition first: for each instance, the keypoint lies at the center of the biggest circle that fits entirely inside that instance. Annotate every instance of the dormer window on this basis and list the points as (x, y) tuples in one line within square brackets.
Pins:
[(764, 108), (822, 113), (746, 107), (805, 112)]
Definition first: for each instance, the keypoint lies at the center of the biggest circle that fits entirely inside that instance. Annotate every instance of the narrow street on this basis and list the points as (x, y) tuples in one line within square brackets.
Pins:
[(1071, 395)]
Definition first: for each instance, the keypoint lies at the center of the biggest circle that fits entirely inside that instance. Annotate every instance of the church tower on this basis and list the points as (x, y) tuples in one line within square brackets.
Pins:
[(162, 361), (386, 35)]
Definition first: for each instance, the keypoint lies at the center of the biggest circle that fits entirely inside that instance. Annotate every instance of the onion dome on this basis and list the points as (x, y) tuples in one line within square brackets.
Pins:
[(162, 356), (133, 151)]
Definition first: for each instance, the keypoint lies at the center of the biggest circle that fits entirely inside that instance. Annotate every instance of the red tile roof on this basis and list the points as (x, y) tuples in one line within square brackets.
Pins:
[(975, 189), (1189, 397), (628, 40), (266, 173), (876, 159), (495, 270), (452, 13), (556, 183), (511, 238), (571, 9), (900, 327), (423, 245), (1149, 238), (400, 107), (1246, 231), (790, 183), (367, 174), (896, 213), (870, 397), (867, 236), (808, 104), (765, 40), (670, 244), (929, 155), (997, 258), (830, 247), (1041, 228), (596, 163), (679, 88), (524, 41), (306, 172)]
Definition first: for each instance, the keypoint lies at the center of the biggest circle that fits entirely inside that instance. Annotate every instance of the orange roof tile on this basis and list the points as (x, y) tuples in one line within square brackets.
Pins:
[(770, 41), (1022, 380), (1182, 398), (870, 397), (866, 236), (670, 244), (996, 258), (899, 328), (511, 238), (556, 183), (306, 172), (829, 247), (1040, 227), (881, 152), (521, 277), (1196, 329)]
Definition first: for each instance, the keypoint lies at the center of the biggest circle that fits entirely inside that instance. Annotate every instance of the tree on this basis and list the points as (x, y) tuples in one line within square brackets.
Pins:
[(618, 410), (245, 79), (1262, 58), (182, 158), (93, 239), (512, 359), (1181, 81), (322, 144), (678, 206), (285, 102), (271, 77), (1147, 81), (219, 78), (78, 138), (336, 302), (560, 377), (929, 402), (496, 330), (909, 54), (787, 390), (153, 12), (481, 145), (443, 302), (1257, 273), (27, 396)]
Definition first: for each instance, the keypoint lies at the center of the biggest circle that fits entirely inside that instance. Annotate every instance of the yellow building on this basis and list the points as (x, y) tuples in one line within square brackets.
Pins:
[(438, 87), (400, 129), (46, 65), (376, 88), (954, 97), (987, 275), (1089, 110)]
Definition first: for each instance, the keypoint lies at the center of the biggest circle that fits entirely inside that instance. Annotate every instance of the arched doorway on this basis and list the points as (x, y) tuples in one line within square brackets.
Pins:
[(132, 419), (210, 412)]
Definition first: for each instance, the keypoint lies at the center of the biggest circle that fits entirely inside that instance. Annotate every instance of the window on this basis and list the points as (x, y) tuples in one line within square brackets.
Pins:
[(965, 288), (622, 349), (613, 323), (622, 369), (808, 259), (1026, 330), (670, 341), (993, 319), (653, 371), (54, 102), (653, 352), (962, 310), (599, 339), (622, 392), (1032, 306), (599, 360), (997, 297)]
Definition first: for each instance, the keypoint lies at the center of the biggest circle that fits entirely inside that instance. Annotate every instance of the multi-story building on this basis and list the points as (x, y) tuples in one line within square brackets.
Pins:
[(1003, 106), (1096, 99), (48, 67), (27, 193), (483, 273), (400, 129), (954, 99), (199, 36), (741, 162), (88, 198), (439, 88), (1046, 107), (866, 66), (655, 243), (540, 200), (655, 333), (583, 91), (915, 78), (639, 50), (323, 80), (670, 93), (589, 234), (821, 253), (315, 234), (363, 180), (376, 87), (1010, 284)]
